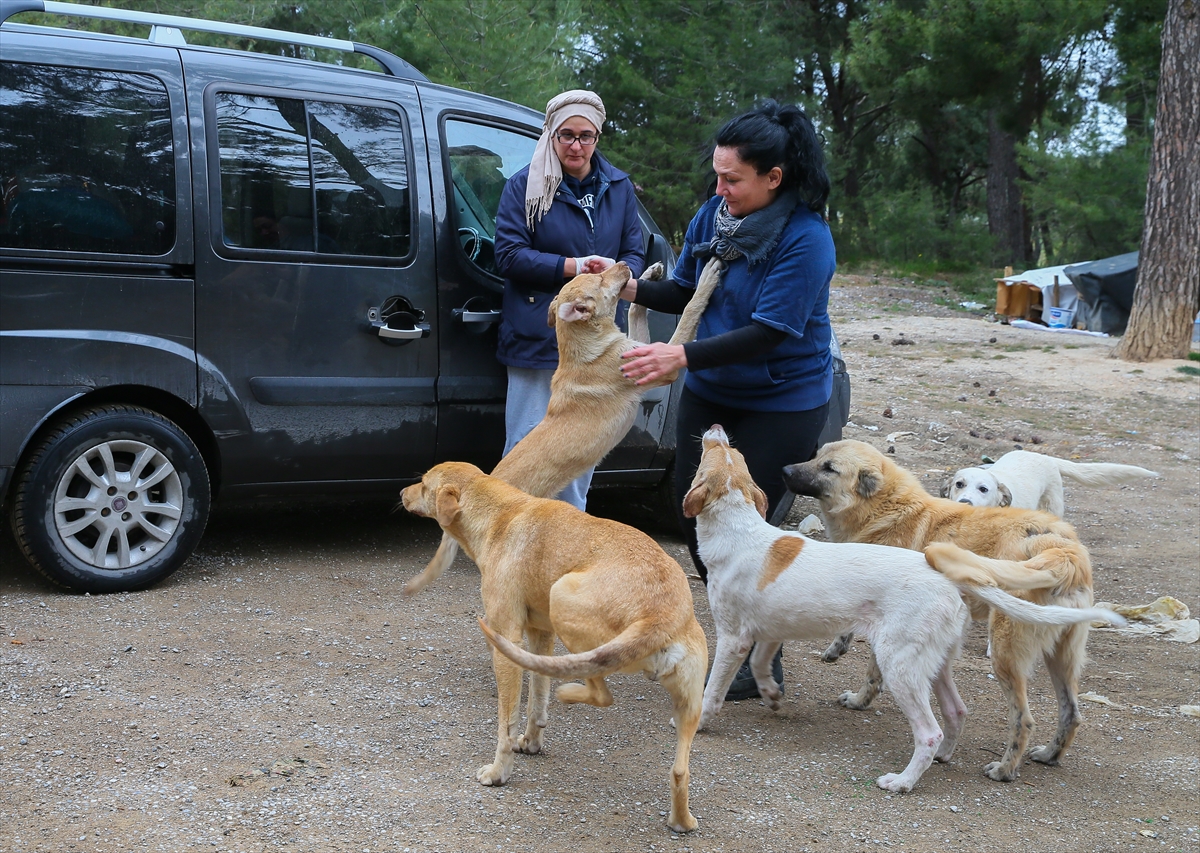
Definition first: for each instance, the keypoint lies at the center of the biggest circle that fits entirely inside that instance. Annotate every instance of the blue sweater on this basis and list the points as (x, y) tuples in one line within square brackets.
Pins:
[(532, 261), (788, 292)]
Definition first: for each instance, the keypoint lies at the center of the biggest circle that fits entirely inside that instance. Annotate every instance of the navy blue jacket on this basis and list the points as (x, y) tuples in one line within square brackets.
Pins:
[(532, 261), (788, 292)]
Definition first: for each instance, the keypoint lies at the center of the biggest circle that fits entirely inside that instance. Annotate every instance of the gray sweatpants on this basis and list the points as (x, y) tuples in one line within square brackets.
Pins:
[(528, 397)]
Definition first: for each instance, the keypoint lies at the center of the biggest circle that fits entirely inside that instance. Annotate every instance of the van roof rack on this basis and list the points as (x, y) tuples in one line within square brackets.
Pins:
[(168, 29)]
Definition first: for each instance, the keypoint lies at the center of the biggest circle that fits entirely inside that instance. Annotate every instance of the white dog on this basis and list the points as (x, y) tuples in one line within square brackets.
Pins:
[(766, 585), (1034, 481)]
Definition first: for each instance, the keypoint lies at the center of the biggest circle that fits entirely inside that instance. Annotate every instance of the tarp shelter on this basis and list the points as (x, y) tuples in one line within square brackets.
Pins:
[(1026, 295), (1106, 288)]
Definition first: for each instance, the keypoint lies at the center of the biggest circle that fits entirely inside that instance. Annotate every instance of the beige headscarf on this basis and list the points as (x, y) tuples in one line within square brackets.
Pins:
[(545, 171)]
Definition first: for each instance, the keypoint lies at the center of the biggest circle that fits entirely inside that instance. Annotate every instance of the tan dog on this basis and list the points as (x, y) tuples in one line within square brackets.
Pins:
[(591, 404), (617, 601), (865, 497)]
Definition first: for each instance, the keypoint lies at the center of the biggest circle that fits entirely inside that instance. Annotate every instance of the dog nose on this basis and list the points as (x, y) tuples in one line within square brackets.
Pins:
[(966, 501)]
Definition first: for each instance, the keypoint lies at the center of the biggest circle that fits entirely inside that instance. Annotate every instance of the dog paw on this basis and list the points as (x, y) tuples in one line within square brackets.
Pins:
[(943, 756), (686, 825), (529, 744), (1044, 755), (771, 695), (894, 782), (835, 650), (996, 771), (492, 774), (654, 272), (573, 693), (852, 701)]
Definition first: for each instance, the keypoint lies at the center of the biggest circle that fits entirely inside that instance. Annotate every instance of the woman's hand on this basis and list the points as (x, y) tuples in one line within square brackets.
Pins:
[(629, 291), (653, 361), (593, 264)]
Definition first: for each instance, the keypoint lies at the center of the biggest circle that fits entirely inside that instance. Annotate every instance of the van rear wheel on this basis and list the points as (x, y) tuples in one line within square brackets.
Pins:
[(114, 498)]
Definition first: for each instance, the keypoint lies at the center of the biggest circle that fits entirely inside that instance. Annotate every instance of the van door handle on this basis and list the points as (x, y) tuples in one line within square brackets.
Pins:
[(477, 315), (464, 315), (414, 334), (397, 320)]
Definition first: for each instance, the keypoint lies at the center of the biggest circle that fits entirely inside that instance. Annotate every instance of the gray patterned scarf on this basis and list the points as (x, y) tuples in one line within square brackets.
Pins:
[(753, 235)]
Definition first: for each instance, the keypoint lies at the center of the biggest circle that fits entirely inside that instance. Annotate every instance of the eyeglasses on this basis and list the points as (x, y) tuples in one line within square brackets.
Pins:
[(569, 139)]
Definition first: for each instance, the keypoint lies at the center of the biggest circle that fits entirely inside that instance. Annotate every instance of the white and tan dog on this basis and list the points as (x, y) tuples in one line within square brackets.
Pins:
[(591, 404), (766, 585), (865, 497), (1034, 480), (617, 601)]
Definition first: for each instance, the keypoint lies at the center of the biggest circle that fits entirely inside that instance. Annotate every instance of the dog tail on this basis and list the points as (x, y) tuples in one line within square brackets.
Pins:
[(445, 555), (1101, 473), (1020, 610), (634, 643), (1054, 568), (988, 580)]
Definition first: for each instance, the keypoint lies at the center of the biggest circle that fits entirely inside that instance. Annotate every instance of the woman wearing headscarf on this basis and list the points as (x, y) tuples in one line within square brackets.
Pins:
[(760, 365), (568, 213)]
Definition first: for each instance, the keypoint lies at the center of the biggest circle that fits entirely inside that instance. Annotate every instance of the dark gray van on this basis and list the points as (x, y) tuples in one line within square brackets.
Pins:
[(239, 274)]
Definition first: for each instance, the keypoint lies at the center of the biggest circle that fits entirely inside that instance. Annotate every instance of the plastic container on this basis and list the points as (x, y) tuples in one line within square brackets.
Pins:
[(1060, 318)]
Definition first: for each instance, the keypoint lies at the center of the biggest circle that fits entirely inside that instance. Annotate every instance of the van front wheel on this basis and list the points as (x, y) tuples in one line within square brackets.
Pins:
[(113, 498)]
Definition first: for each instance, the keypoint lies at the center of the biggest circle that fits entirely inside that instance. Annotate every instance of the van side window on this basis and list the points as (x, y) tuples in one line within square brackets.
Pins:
[(312, 176), (481, 159), (86, 161)]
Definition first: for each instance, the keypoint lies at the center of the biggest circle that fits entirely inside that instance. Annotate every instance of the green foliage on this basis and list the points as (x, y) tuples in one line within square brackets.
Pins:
[(670, 74), (908, 226), (1088, 205), (519, 50), (902, 91), (1137, 39)]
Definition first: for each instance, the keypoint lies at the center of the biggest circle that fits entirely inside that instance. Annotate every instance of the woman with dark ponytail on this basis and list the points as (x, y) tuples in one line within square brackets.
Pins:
[(760, 365)]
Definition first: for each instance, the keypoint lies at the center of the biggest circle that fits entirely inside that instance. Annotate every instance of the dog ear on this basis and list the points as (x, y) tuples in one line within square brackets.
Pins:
[(760, 500), (868, 483), (1005, 494), (572, 312), (945, 492), (615, 275), (446, 507), (695, 499)]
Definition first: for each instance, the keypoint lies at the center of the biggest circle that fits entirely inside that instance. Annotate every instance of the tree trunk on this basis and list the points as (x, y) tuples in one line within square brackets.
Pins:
[(1006, 214), (1168, 283)]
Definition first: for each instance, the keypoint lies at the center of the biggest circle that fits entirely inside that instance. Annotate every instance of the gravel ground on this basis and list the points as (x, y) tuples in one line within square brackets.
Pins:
[(278, 693)]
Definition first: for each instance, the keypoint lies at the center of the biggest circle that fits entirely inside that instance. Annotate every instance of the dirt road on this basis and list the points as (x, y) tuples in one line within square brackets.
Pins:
[(278, 693)]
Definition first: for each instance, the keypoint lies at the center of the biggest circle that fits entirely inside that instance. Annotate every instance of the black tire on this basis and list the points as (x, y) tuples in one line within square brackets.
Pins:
[(86, 525)]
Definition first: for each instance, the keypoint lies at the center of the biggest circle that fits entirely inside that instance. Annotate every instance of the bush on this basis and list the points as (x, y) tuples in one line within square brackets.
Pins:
[(1086, 206), (909, 227)]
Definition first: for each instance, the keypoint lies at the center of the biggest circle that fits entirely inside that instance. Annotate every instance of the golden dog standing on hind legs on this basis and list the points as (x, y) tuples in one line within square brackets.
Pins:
[(617, 601), (865, 497), (591, 404)]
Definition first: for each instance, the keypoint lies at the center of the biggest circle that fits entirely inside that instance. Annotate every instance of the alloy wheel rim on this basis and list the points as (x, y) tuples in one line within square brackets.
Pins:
[(118, 504)]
